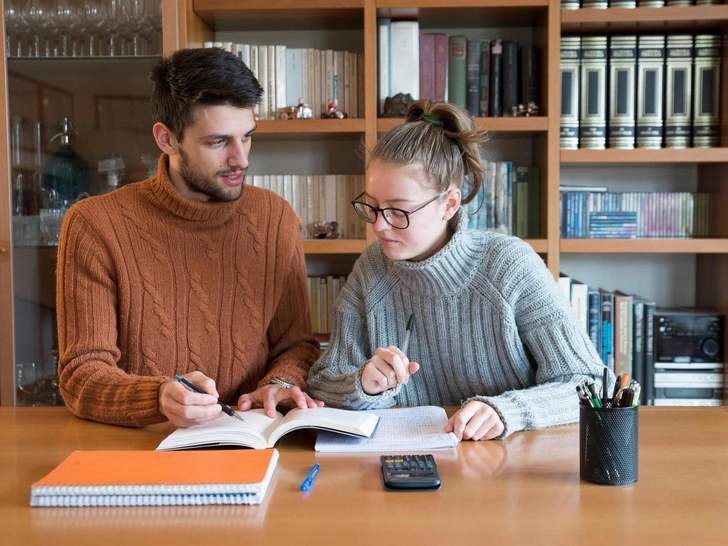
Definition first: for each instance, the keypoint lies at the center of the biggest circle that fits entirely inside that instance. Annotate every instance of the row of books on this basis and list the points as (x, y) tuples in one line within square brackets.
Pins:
[(646, 91), (621, 327), (509, 201), (634, 215), (317, 198), (317, 76), (488, 77), (603, 4), (322, 292)]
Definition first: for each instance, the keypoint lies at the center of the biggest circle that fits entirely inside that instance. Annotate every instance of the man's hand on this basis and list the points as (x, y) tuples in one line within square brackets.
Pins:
[(185, 408), (385, 369), (269, 397), (475, 421)]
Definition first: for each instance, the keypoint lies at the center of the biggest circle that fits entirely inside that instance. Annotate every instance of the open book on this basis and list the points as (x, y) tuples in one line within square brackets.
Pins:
[(260, 431)]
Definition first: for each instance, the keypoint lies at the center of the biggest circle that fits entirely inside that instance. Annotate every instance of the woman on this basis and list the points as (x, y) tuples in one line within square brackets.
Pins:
[(492, 330)]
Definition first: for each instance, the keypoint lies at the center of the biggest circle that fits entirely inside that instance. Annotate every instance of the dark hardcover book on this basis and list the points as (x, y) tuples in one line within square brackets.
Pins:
[(496, 78), (569, 69), (427, 66), (593, 112), (457, 75), (638, 339), (622, 91), (441, 66), (594, 302), (472, 66), (510, 77), (484, 107), (678, 89), (648, 383), (520, 202), (650, 77), (530, 74), (607, 353), (706, 108)]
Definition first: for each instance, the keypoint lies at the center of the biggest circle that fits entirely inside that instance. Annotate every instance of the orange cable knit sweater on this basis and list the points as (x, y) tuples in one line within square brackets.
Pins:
[(151, 284)]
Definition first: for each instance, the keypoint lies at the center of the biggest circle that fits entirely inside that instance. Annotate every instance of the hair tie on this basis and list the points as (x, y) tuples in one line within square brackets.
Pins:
[(429, 118)]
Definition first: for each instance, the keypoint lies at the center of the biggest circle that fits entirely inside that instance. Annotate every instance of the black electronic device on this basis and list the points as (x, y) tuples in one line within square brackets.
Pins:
[(688, 338), (410, 473)]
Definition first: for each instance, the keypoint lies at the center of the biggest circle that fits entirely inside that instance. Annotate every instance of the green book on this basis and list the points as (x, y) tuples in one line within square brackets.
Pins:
[(520, 178), (534, 202), (457, 74)]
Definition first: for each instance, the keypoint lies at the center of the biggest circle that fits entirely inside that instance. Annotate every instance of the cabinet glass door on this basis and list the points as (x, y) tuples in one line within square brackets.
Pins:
[(79, 125)]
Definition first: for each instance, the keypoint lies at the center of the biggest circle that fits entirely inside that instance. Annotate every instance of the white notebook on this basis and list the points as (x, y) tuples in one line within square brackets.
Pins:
[(399, 429)]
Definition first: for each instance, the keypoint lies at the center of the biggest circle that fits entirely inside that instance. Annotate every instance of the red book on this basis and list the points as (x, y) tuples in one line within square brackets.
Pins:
[(427, 66), (441, 64)]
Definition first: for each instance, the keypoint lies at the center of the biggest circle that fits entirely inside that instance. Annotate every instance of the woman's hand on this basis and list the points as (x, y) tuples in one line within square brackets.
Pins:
[(386, 369), (475, 421)]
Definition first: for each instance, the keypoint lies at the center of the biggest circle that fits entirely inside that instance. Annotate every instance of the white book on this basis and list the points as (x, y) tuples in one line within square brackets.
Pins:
[(405, 58), (227, 46), (317, 200), (263, 80), (255, 70), (309, 217), (260, 431), (580, 303), (294, 75), (272, 85), (330, 197), (329, 70), (342, 204), (281, 82), (208, 44), (299, 196), (309, 88), (345, 84), (383, 58), (288, 190), (242, 52), (317, 99), (353, 83), (399, 429)]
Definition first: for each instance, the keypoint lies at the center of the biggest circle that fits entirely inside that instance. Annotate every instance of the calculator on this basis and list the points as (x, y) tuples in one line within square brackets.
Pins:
[(410, 473)]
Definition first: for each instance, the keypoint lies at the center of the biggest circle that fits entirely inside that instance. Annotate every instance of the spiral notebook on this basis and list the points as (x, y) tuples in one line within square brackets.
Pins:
[(157, 478)]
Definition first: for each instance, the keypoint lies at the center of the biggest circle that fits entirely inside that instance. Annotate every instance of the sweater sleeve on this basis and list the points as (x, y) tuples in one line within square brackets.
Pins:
[(560, 349), (336, 377), (293, 347), (92, 384)]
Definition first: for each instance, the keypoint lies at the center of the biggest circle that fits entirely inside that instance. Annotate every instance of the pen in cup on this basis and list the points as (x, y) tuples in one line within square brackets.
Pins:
[(225, 408), (308, 482)]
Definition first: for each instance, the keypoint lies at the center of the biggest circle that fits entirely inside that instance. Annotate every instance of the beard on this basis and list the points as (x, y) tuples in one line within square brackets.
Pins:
[(199, 182)]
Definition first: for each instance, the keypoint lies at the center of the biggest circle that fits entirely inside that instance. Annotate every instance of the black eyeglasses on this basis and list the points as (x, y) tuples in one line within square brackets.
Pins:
[(397, 218)]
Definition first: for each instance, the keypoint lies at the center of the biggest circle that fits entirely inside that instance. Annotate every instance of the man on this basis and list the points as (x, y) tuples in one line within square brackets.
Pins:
[(189, 273)]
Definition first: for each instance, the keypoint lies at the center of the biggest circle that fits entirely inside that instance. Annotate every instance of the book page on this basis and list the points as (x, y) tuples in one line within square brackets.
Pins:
[(358, 423), (225, 430), (399, 429)]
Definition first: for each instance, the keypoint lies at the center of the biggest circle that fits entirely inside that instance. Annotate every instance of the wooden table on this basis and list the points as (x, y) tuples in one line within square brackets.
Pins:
[(525, 490)]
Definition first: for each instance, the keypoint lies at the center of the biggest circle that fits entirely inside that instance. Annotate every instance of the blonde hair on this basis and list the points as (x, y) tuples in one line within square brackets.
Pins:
[(443, 138)]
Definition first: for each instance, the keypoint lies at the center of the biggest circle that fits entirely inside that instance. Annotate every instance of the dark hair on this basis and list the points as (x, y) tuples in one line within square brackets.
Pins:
[(443, 138), (199, 77)]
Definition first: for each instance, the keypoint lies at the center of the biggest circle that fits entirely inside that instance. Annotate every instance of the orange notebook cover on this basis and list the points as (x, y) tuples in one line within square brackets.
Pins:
[(133, 478)]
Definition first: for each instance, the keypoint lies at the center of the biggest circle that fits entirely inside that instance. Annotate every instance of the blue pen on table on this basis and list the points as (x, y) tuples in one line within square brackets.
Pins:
[(308, 482), (225, 408)]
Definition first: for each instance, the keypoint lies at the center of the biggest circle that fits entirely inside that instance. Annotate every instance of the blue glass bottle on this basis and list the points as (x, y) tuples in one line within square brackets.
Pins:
[(66, 171)]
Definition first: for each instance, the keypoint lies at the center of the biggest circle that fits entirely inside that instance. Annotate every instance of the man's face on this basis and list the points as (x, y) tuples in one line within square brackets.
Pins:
[(212, 158)]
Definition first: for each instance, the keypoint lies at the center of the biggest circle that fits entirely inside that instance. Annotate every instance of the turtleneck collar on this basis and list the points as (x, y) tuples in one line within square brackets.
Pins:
[(167, 197), (448, 271)]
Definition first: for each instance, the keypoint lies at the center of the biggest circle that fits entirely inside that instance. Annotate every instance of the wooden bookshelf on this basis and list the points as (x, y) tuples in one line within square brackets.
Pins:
[(668, 19), (664, 155), (334, 246), (496, 125), (643, 246)]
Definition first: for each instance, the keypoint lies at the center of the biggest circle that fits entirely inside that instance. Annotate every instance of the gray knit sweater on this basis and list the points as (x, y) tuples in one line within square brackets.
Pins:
[(491, 324)]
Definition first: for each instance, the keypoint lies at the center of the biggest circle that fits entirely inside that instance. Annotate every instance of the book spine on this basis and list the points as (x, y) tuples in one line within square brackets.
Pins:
[(648, 385), (496, 78), (570, 4), (569, 69), (593, 115), (427, 66), (521, 202), (484, 85), (650, 76), (534, 202), (294, 75), (263, 79), (622, 91), (383, 41), (441, 66), (472, 67), (456, 70), (594, 4), (651, 3), (281, 82), (638, 342), (405, 58), (623, 335), (272, 85), (530, 74), (623, 3), (510, 78), (706, 108), (594, 320), (678, 99), (607, 322)]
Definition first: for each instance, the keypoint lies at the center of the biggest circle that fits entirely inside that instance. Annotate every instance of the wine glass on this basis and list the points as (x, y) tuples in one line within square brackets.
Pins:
[(153, 23), (66, 20), (91, 18), (13, 23), (27, 382), (37, 18)]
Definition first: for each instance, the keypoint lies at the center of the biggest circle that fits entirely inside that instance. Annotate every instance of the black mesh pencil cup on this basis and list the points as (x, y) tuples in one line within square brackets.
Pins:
[(608, 445)]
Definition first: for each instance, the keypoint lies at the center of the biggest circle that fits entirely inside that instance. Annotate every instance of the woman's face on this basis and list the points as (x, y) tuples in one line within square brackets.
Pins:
[(402, 187)]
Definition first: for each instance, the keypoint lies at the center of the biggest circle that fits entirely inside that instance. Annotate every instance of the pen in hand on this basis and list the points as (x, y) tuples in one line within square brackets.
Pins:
[(225, 408), (408, 333), (308, 482)]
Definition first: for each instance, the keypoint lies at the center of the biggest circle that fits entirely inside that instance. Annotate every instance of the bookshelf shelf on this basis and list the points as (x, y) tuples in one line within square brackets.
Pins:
[(334, 246), (663, 155), (538, 245), (499, 125), (652, 246), (465, 13), (310, 126), (667, 18)]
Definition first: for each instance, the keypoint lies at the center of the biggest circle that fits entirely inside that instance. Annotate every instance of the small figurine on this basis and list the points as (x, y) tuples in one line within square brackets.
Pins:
[(396, 106), (525, 110), (333, 112), (326, 230), (299, 111)]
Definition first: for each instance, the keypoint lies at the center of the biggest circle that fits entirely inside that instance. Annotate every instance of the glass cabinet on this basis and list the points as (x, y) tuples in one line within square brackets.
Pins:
[(76, 116)]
